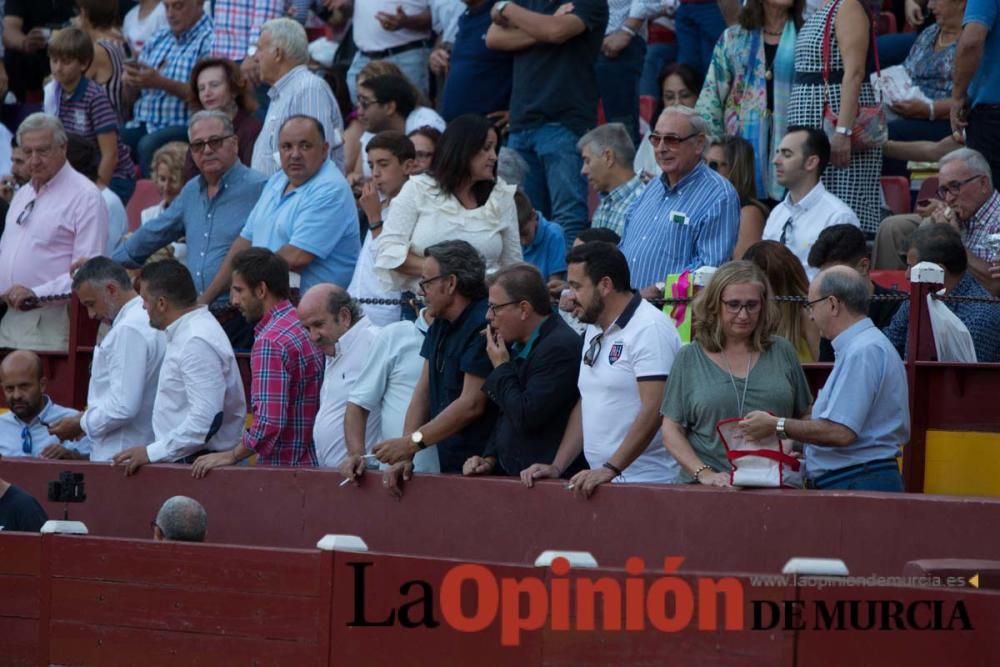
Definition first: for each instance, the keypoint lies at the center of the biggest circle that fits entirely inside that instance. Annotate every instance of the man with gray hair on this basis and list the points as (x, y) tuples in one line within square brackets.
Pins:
[(56, 219), (180, 519), (338, 327), (449, 409), (967, 201), (687, 218), (608, 154), (161, 77), (861, 416), (210, 211), (282, 54), (126, 365)]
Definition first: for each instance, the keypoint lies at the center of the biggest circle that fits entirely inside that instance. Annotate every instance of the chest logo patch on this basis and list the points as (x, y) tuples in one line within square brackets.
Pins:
[(615, 353)]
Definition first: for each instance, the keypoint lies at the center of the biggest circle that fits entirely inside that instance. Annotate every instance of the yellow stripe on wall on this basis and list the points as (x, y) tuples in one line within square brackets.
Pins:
[(962, 463)]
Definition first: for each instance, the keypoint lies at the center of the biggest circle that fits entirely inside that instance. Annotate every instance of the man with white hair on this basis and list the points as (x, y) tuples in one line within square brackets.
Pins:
[(180, 519), (55, 219), (687, 218), (608, 153), (282, 54)]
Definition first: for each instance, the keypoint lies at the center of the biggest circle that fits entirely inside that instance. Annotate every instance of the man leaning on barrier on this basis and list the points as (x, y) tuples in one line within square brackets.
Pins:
[(861, 416)]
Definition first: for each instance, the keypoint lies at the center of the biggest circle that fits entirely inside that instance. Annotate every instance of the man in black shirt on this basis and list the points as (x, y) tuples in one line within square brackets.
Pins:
[(27, 25), (19, 511), (846, 245)]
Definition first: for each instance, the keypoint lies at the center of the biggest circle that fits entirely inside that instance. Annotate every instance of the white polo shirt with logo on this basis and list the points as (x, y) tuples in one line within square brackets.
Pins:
[(639, 346)]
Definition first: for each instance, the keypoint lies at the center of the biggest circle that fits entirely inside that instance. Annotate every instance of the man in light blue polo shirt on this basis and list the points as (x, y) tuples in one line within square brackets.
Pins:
[(687, 218), (975, 91), (861, 417), (306, 213)]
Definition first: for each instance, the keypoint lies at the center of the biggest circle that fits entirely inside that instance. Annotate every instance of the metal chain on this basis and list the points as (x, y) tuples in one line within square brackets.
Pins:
[(968, 299)]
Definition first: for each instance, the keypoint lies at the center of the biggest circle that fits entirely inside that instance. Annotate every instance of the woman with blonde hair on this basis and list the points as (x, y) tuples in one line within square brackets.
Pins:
[(734, 364), (788, 278)]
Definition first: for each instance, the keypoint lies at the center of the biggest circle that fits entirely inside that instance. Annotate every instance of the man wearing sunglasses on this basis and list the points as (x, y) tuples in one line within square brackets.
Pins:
[(628, 351), (209, 212), (967, 201), (687, 218)]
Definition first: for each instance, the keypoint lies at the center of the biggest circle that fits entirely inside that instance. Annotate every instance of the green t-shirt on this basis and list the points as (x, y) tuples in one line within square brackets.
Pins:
[(699, 395)]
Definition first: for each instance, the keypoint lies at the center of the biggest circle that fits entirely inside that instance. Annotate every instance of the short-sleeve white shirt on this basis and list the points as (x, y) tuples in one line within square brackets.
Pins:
[(640, 345)]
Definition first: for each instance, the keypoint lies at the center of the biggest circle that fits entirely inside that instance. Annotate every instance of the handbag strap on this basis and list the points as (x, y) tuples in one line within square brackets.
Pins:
[(780, 457), (827, 48)]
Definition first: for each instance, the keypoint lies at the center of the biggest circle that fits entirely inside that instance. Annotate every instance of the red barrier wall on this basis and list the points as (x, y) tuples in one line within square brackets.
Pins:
[(500, 520)]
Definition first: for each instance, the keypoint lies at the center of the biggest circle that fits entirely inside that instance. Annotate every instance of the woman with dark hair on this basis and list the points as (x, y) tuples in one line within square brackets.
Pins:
[(750, 80), (788, 278), (733, 158), (459, 198), (99, 19), (735, 364), (425, 140), (217, 84), (679, 84)]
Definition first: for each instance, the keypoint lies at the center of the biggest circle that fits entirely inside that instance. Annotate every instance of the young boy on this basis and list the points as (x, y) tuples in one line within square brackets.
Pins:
[(543, 243), (391, 159), (85, 110)]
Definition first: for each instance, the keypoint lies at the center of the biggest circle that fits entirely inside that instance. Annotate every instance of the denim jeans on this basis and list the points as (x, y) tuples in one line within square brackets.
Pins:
[(412, 62), (553, 183), (885, 480), (698, 28), (983, 134), (144, 144), (123, 187), (913, 129), (657, 55), (893, 49), (618, 84)]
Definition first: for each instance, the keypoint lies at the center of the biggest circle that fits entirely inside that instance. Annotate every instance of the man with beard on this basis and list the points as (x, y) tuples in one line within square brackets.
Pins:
[(24, 430), (287, 369), (126, 365), (628, 350)]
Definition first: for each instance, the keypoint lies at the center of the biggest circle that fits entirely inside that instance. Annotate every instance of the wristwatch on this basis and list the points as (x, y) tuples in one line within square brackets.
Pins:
[(846, 131), (500, 6), (417, 438), (779, 429)]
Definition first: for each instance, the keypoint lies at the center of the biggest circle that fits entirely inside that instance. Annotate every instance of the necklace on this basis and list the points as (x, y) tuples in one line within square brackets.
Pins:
[(740, 401), (940, 41), (772, 33)]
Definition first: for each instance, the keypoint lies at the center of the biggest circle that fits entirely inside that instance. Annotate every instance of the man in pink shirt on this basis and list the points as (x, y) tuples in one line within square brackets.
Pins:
[(57, 218)]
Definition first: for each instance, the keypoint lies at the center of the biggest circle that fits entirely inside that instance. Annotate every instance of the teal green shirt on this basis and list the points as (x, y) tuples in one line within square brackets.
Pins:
[(521, 351)]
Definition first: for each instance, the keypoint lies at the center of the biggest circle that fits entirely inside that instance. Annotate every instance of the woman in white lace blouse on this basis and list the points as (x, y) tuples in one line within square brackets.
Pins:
[(459, 198)]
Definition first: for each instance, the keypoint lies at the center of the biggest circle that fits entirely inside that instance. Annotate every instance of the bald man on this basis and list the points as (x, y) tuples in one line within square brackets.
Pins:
[(338, 327), (24, 431), (180, 519), (861, 417)]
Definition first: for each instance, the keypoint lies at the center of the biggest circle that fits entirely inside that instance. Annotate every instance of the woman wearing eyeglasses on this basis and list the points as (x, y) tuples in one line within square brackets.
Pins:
[(787, 277), (459, 199), (733, 365), (218, 85), (749, 82)]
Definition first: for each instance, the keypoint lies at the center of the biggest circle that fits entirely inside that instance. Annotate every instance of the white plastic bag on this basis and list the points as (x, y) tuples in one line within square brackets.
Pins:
[(763, 464), (896, 85), (952, 339)]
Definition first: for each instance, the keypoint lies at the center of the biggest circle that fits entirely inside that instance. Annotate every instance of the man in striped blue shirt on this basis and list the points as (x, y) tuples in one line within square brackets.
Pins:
[(687, 218)]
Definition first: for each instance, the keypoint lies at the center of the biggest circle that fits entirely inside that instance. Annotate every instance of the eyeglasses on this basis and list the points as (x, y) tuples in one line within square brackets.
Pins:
[(23, 217), (734, 307), (424, 155), (27, 446), (215, 143), (715, 164), (955, 187), (590, 357), (809, 306), (364, 104), (494, 307), (424, 283), (670, 139)]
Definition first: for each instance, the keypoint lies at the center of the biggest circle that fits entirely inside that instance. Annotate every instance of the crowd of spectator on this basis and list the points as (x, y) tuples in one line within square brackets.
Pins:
[(438, 227)]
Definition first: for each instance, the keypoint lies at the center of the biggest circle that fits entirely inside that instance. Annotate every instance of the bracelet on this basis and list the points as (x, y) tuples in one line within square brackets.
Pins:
[(613, 468), (625, 28), (377, 225), (931, 106), (701, 470)]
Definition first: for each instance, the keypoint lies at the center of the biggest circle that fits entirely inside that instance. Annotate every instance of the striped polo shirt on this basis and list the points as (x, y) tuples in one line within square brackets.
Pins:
[(88, 113), (687, 226)]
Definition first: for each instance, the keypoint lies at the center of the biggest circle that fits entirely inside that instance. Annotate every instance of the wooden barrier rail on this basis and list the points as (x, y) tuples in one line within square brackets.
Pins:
[(100, 601)]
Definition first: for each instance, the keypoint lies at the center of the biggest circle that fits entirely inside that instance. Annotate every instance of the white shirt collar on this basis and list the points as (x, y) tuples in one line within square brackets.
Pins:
[(811, 199)]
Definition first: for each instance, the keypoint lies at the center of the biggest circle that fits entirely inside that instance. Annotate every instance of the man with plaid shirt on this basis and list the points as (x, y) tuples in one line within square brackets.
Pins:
[(287, 369), (162, 75), (237, 26)]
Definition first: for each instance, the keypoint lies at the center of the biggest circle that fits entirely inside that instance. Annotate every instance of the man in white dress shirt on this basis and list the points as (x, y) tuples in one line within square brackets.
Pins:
[(126, 364), (337, 326), (808, 208), (200, 405), (282, 54)]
